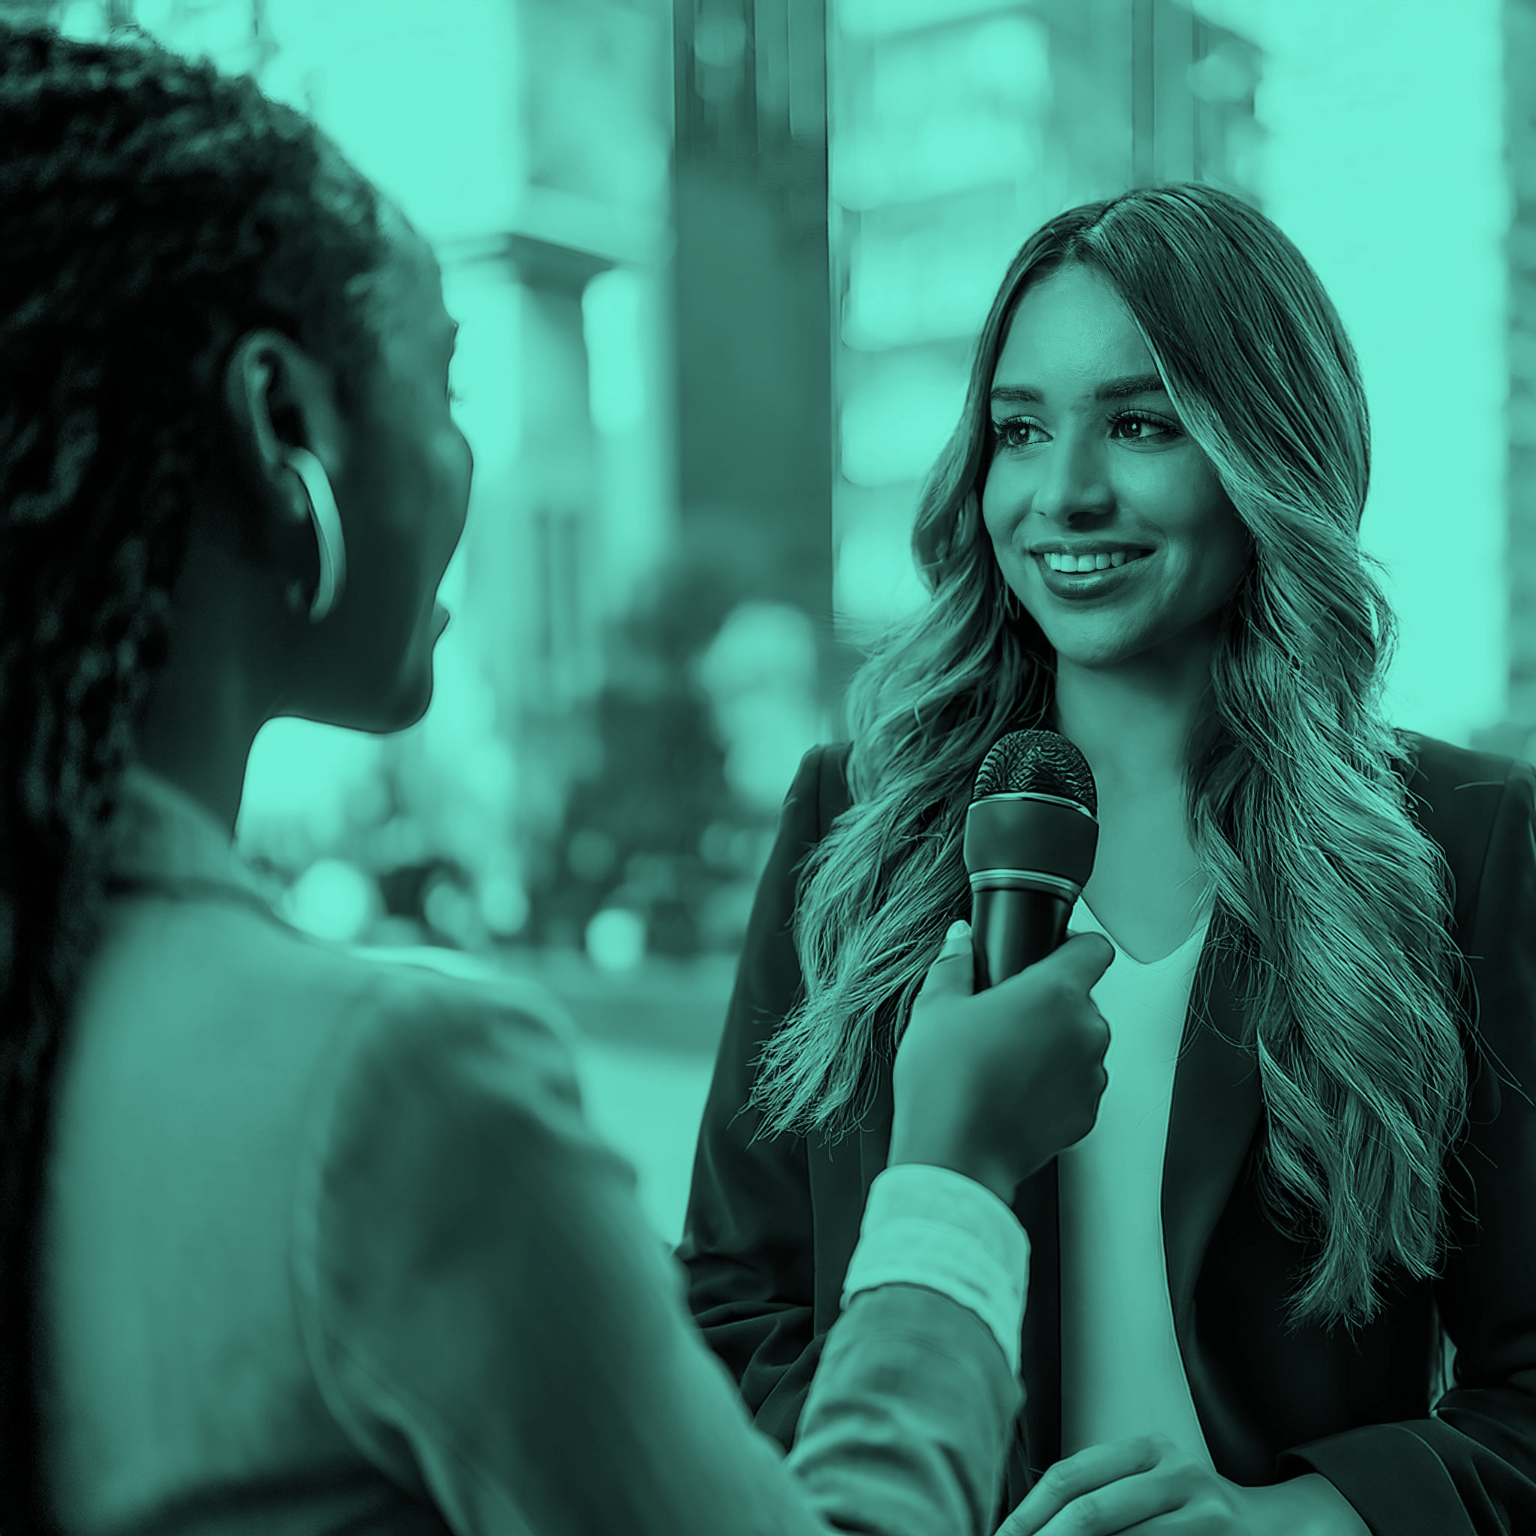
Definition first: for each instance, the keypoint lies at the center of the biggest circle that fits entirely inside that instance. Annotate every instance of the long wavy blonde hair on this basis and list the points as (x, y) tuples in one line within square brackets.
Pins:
[(1295, 788)]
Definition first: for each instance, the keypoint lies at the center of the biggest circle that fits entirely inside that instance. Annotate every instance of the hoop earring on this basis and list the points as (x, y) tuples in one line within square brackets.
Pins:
[(329, 542)]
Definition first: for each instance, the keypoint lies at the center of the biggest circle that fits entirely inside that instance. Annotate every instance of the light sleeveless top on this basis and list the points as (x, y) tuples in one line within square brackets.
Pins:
[(1121, 1372)]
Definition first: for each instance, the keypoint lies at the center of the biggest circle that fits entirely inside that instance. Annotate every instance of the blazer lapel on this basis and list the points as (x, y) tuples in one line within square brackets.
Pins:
[(1038, 1440)]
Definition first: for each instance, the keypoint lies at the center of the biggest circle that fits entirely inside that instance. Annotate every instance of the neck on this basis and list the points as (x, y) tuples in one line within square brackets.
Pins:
[(199, 737), (1132, 724), (208, 702)]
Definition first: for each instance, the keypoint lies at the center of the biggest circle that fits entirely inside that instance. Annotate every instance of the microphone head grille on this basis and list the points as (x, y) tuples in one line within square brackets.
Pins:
[(1039, 763)]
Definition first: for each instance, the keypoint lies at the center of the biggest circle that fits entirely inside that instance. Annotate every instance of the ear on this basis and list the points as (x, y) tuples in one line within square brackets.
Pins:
[(277, 396)]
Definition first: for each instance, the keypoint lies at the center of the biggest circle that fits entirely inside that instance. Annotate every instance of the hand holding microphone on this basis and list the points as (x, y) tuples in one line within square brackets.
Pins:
[(994, 1084), (1002, 1063)]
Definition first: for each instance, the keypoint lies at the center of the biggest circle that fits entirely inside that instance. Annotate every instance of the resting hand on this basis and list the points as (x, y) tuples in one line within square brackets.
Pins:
[(1147, 1484)]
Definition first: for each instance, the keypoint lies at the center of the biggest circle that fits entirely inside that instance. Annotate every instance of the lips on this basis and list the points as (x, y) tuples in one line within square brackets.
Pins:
[(1088, 585)]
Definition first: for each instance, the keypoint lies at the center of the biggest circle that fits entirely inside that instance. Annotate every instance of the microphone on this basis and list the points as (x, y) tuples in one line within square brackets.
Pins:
[(1030, 836)]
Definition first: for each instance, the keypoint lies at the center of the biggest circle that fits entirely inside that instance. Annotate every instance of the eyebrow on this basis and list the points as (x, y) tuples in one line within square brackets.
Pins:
[(1111, 389)]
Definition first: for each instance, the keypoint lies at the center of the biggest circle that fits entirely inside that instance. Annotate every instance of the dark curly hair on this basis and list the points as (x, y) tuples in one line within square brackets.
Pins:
[(155, 212)]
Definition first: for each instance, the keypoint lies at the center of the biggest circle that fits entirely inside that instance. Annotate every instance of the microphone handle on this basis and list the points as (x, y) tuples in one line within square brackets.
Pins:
[(1012, 927)]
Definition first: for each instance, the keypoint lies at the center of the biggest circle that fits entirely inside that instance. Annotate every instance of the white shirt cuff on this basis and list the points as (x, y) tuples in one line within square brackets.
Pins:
[(936, 1228)]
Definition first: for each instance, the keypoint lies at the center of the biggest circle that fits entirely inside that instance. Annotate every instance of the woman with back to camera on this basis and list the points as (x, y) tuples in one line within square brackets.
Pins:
[(1317, 1136), (291, 1240)]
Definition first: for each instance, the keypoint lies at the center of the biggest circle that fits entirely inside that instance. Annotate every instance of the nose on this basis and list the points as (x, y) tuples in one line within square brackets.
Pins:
[(1074, 478)]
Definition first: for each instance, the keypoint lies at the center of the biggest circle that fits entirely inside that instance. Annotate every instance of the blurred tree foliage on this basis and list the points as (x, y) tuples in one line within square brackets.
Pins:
[(657, 830)]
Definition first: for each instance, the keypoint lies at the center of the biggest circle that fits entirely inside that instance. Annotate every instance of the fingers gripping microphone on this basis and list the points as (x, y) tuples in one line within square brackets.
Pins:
[(1030, 837)]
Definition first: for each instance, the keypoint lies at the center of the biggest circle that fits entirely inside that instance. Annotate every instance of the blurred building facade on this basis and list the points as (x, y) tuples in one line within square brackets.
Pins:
[(716, 683), (720, 265), (628, 201), (530, 142), (958, 127), (1386, 158), (1516, 733)]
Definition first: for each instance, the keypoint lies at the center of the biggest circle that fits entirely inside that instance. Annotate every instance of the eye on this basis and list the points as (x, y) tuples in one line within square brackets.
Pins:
[(1008, 433), (1154, 427), (454, 397)]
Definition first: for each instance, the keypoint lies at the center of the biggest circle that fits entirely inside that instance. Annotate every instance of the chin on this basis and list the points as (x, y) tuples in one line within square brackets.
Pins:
[(404, 707), (413, 700), (1113, 652)]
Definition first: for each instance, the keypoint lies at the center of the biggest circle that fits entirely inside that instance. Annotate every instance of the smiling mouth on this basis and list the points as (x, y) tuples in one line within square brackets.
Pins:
[(1088, 565)]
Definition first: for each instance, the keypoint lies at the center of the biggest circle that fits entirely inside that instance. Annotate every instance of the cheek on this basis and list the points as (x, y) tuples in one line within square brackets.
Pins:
[(996, 521), (1233, 538), (1227, 555)]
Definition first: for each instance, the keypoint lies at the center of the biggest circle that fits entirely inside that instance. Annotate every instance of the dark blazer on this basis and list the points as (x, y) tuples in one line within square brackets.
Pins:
[(770, 1227)]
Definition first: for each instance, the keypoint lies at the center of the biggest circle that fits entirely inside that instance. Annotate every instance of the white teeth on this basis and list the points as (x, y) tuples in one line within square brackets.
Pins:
[(1080, 563)]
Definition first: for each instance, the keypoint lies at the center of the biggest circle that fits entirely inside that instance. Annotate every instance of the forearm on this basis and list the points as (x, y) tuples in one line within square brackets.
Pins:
[(908, 1420)]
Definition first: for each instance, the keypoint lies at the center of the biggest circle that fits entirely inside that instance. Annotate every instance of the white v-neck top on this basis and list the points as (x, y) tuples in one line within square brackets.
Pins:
[(1121, 1372)]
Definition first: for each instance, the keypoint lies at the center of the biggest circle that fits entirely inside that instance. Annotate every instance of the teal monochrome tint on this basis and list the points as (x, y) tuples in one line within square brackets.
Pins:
[(717, 269), (626, 296)]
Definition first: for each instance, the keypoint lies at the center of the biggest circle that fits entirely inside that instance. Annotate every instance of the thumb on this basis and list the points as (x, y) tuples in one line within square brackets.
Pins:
[(1085, 956), (953, 969)]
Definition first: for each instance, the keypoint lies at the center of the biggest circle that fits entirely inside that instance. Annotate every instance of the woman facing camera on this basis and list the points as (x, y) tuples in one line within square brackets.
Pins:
[(293, 1241), (1317, 1147)]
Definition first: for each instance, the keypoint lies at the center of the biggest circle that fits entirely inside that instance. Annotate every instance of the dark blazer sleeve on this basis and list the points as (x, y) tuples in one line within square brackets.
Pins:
[(1469, 1469), (746, 1244)]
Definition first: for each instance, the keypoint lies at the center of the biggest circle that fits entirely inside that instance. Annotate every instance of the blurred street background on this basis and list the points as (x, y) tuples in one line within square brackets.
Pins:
[(719, 264)]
